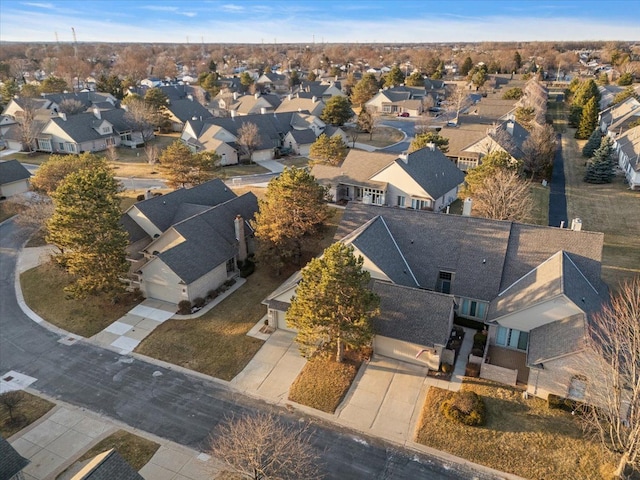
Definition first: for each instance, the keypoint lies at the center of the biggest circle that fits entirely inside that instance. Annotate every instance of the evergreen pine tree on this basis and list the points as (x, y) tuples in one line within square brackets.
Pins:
[(600, 168), (588, 120), (592, 144)]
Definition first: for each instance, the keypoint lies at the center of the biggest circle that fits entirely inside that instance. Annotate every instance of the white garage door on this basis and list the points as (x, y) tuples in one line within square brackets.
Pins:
[(163, 292), (279, 319), (404, 351)]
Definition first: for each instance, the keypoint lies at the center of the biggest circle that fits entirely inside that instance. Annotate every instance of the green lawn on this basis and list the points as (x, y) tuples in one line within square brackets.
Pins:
[(540, 205), (523, 437)]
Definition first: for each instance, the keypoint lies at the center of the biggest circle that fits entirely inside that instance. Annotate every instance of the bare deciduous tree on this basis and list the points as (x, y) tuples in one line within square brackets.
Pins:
[(249, 138), (456, 100), (615, 345), (111, 153), (140, 117), (262, 447), (503, 196), (539, 149), (152, 152), (71, 106), (10, 400), (28, 125)]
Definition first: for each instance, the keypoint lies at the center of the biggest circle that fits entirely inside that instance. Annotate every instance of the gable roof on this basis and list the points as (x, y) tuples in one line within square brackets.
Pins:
[(557, 275), (485, 256), (185, 109), (412, 315), (433, 171), (375, 241), (303, 137), (11, 462), (163, 210), (511, 142), (12, 171), (87, 99), (107, 465), (557, 339), (356, 169), (209, 238), (81, 127), (629, 144)]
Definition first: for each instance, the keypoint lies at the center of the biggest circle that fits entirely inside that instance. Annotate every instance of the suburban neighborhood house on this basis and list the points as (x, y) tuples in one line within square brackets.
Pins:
[(401, 99), (535, 287), (422, 180), (508, 137), (14, 178), (293, 130), (184, 244), (627, 147)]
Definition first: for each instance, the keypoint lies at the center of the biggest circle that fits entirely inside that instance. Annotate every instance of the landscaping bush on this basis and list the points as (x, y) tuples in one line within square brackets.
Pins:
[(560, 403), (467, 322), (211, 294), (480, 339), (247, 268), (477, 351), (465, 407), (140, 197), (230, 282), (472, 370), (184, 307), (198, 302), (446, 368)]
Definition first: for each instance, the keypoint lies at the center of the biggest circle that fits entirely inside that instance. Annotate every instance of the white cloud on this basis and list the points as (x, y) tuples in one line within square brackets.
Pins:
[(160, 8), (232, 8), (188, 14), (48, 6)]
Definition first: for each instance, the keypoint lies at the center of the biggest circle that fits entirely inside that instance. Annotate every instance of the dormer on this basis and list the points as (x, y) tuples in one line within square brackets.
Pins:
[(104, 128)]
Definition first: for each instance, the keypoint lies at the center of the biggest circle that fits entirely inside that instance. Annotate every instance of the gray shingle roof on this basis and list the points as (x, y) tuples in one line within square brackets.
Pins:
[(486, 256), (134, 230), (108, 466), (433, 171), (556, 276), (356, 169), (81, 127), (412, 315), (185, 109), (303, 137), (86, 98), (12, 171), (11, 462), (162, 210), (556, 339), (374, 240), (209, 238)]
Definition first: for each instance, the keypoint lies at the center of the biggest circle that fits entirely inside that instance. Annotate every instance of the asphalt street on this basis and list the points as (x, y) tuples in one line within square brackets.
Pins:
[(177, 406), (557, 194)]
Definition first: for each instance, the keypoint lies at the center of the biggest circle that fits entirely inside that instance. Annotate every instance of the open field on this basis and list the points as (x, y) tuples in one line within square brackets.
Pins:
[(523, 437)]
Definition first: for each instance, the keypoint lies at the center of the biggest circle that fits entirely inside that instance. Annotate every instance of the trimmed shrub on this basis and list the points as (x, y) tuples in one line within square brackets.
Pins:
[(446, 368), (230, 282), (184, 307), (140, 197), (465, 407), (198, 302), (247, 268), (480, 339), (472, 370)]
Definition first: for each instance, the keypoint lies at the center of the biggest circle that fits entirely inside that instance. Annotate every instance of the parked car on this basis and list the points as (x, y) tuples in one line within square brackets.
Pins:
[(403, 114)]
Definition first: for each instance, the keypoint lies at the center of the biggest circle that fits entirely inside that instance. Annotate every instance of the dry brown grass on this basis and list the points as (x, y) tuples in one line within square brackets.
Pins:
[(137, 451), (216, 344), (30, 409), (8, 209), (298, 162), (523, 437), (323, 383), (382, 136), (43, 290), (609, 208), (540, 205)]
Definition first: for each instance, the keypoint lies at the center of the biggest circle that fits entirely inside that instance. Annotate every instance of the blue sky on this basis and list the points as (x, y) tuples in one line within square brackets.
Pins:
[(331, 21)]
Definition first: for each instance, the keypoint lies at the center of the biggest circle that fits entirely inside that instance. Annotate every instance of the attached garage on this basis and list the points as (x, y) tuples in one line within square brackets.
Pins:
[(14, 178), (407, 351), (163, 292), (160, 282)]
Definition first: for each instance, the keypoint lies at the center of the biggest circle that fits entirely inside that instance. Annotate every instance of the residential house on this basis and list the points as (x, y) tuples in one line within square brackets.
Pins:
[(184, 109), (252, 104), (295, 103), (396, 100), (421, 180), (187, 243), (221, 134), (11, 462), (48, 105), (534, 287), (107, 466), (14, 178), (87, 132), (508, 137), (320, 89), (627, 148), (617, 118), (273, 82), (460, 138)]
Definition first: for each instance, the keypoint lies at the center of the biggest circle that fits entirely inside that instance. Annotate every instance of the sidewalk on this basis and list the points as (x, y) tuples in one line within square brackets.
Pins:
[(58, 439)]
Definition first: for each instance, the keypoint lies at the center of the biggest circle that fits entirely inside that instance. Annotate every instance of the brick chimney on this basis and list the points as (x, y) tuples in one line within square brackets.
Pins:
[(240, 237)]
